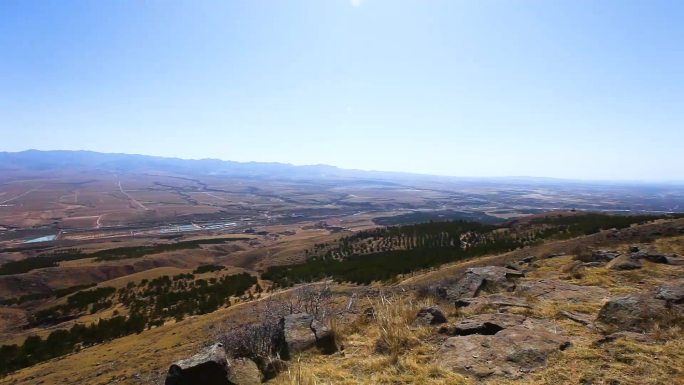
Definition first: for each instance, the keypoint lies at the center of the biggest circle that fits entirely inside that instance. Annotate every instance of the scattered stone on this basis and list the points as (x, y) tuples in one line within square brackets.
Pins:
[(592, 264), (603, 255), (636, 313), (639, 337), (430, 316), (529, 259), (624, 262), (672, 293), (302, 331), (579, 318), (634, 249), (651, 256)]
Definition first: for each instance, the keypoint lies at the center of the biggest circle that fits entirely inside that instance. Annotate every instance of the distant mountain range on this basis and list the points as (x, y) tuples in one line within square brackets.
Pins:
[(73, 161)]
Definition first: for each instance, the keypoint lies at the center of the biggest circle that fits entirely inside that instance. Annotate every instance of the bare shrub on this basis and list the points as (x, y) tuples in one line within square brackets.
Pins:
[(315, 299), (253, 340)]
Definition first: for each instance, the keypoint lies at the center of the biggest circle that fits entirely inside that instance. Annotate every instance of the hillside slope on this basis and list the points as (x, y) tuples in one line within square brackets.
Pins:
[(412, 354)]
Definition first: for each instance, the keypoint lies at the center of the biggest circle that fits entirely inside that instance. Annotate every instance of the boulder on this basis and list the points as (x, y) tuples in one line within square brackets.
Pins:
[(624, 262), (302, 331), (635, 313), (672, 293), (510, 352), (476, 280), (430, 316), (209, 367), (243, 371)]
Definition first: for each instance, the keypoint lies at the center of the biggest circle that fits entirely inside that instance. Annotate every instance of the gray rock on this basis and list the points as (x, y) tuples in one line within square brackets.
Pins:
[(243, 371), (635, 313), (603, 255), (651, 256), (484, 324), (430, 316), (209, 367), (561, 291), (672, 293), (579, 318), (511, 352), (302, 331), (490, 279)]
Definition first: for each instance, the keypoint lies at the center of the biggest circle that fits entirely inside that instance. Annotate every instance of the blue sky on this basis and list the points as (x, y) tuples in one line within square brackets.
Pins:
[(573, 89)]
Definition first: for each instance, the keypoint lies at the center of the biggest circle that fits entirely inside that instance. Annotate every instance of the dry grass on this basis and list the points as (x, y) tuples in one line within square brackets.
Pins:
[(382, 349)]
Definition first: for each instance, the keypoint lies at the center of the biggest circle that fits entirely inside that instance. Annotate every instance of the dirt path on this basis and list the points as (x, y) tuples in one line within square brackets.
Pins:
[(19, 196), (130, 198)]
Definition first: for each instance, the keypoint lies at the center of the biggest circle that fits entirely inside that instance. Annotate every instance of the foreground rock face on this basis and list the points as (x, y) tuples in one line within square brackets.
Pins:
[(519, 347), (490, 279), (302, 331)]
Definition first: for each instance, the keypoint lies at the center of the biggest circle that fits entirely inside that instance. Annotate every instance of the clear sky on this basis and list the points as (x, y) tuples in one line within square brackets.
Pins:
[(574, 89)]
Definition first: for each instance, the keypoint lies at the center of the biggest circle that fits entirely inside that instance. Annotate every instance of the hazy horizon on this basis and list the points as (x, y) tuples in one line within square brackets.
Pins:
[(579, 90), (495, 177)]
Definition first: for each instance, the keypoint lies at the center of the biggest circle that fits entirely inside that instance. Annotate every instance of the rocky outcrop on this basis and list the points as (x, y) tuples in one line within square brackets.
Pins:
[(561, 291), (302, 331), (635, 313), (212, 367), (519, 347), (477, 280), (430, 316)]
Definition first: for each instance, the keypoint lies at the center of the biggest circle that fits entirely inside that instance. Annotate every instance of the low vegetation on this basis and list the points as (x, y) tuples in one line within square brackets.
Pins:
[(384, 253), (54, 259), (149, 304)]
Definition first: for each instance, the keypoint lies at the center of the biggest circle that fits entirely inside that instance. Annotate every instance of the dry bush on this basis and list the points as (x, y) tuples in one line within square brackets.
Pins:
[(393, 316)]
